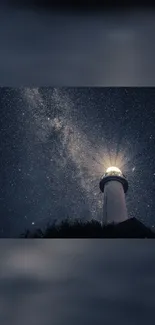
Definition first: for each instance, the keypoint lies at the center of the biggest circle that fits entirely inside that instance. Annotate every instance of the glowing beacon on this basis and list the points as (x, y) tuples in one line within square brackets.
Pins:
[(114, 185)]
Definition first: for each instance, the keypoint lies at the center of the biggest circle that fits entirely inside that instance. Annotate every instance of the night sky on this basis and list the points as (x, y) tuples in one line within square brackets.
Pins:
[(57, 142)]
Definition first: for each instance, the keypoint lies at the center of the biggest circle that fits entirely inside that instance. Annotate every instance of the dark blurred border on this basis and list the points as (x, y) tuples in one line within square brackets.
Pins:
[(83, 43), (77, 281), (82, 5)]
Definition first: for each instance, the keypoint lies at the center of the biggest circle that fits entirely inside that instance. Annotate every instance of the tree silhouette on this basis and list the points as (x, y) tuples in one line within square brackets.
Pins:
[(131, 228)]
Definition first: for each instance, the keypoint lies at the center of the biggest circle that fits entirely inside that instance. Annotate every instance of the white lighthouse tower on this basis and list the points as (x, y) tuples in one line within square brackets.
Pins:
[(114, 185)]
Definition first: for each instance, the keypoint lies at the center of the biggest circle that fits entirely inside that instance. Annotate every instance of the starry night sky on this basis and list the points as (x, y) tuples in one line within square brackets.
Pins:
[(57, 142)]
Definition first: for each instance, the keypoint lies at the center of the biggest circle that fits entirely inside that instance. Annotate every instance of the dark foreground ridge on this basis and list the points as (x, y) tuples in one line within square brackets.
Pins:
[(132, 228)]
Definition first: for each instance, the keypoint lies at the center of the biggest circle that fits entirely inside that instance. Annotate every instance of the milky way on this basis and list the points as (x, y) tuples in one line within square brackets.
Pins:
[(57, 143)]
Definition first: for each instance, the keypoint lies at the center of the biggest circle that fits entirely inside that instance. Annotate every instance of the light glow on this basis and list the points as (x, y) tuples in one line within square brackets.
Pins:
[(113, 169)]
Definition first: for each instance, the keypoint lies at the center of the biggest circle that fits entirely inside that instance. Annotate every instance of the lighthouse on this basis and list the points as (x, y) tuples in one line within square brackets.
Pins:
[(114, 185)]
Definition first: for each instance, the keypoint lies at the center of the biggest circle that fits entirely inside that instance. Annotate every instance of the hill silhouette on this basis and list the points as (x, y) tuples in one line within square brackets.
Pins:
[(131, 228)]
